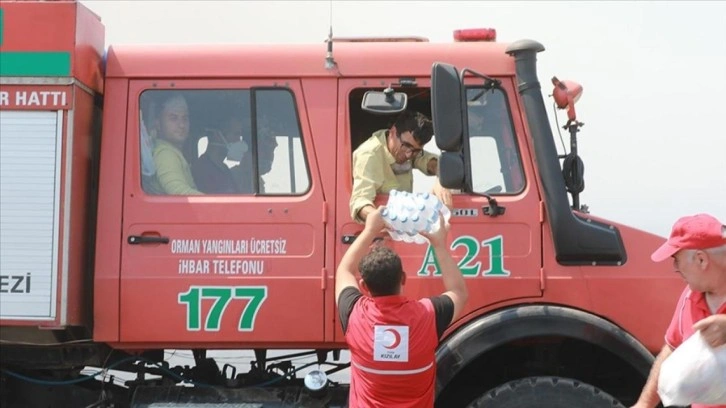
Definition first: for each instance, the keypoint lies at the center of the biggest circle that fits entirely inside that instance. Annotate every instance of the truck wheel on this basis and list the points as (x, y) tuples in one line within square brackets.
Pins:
[(545, 392)]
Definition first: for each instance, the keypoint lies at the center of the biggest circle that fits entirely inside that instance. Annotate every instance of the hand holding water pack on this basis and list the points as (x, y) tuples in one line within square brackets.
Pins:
[(407, 214)]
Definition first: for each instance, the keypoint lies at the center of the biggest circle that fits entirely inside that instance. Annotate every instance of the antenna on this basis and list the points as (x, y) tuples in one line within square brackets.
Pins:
[(329, 60)]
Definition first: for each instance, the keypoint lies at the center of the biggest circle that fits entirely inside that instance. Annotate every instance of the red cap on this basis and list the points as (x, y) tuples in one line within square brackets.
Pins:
[(700, 231)]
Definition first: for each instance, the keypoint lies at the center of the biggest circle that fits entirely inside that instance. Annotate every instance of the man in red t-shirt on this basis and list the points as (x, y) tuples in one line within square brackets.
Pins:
[(392, 339), (698, 247)]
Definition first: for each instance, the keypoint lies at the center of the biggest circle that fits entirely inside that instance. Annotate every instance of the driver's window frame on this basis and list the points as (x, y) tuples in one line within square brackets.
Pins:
[(503, 151)]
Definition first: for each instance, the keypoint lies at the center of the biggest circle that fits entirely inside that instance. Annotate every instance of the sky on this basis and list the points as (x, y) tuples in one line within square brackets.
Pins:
[(654, 77)]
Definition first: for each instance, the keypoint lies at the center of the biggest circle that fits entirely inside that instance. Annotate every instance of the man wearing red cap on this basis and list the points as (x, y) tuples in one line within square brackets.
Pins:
[(697, 245)]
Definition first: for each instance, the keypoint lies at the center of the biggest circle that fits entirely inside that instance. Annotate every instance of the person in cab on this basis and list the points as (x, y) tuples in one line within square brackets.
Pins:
[(211, 173), (386, 161), (172, 127), (244, 173)]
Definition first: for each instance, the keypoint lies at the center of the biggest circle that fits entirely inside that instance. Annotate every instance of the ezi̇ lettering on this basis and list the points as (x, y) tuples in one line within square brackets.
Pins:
[(15, 283)]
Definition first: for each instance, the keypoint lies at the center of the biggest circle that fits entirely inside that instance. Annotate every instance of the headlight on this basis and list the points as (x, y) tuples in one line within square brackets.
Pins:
[(316, 381)]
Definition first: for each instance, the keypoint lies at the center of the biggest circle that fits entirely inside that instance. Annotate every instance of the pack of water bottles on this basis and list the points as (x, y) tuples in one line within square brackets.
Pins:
[(407, 214)]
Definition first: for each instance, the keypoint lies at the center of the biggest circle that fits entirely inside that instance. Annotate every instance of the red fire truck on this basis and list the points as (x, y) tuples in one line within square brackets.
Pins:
[(100, 269)]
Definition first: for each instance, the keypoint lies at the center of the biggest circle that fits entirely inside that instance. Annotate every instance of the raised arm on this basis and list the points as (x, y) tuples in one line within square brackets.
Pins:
[(454, 283), (345, 274), (367, 179), (428, 163), (649, 396)]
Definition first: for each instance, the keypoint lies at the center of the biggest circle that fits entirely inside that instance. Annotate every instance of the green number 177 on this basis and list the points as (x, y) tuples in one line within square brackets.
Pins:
[(222, 296)]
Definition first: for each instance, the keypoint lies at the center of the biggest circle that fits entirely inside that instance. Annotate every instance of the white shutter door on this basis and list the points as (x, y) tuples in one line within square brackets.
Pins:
[(29, 194)]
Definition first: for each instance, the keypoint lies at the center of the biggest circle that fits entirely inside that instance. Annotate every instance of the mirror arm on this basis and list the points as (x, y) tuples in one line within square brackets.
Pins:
[(389, 94), (490, 84)]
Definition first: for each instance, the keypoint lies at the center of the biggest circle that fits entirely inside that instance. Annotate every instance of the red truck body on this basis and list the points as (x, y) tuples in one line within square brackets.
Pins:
[(121, 270)]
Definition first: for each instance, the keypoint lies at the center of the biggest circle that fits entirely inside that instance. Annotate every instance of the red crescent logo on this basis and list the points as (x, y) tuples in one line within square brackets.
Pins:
[(396, 338)]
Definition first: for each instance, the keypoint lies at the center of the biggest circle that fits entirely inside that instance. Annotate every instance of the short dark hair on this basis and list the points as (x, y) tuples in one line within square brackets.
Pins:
[(417, 123), (381, 271)]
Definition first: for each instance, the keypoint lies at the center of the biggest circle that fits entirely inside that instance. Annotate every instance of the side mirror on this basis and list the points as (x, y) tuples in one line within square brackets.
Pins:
[(447, 107), (451, 170), (384, 102)]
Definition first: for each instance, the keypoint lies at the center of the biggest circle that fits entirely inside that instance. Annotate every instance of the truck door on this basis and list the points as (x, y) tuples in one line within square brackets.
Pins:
[(499, 256), (223, 215)]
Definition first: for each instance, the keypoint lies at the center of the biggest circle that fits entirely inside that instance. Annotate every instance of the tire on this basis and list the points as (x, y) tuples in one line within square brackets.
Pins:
[(545, 392)]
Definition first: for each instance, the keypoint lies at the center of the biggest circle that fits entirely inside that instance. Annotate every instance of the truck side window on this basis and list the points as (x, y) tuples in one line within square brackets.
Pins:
[(498, 168), (149, 181), (364, 124), (278, 132), (205, 142)]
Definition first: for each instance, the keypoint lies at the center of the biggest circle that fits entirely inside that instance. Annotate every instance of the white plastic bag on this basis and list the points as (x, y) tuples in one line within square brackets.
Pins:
[(695, 373)]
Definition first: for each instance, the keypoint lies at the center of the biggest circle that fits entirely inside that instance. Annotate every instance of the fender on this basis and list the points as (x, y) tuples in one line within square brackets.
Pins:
[(520, 322)]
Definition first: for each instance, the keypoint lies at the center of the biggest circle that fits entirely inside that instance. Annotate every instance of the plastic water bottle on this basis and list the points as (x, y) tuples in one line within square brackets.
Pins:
[(405, 224), (436, 207), (396, 235), (433, 204), (417, 223), (409, 237), (399, 201), (392, 202), (422, 204), (420, 224), (420, 239), (418, 203), (408, 202), (392, 223)]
